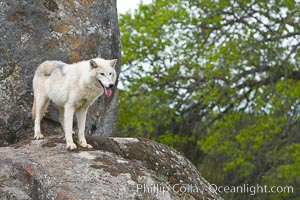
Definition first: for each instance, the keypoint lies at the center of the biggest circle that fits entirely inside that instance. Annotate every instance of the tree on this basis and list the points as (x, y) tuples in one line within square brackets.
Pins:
[(219, 81)]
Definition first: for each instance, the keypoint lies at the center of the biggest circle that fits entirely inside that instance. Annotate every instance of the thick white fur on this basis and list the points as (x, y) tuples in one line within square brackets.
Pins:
[(73, 88)]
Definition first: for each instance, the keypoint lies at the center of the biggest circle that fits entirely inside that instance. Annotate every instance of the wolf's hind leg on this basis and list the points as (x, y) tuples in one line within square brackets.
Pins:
[(81, 118), (42, 102), (45, 106), (61, 118)]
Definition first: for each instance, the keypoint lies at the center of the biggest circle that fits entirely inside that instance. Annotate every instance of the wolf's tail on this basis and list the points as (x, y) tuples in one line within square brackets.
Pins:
[(33, 109)]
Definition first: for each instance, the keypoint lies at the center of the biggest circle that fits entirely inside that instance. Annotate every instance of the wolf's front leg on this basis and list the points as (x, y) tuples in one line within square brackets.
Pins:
[(81, 117), (68, 126)]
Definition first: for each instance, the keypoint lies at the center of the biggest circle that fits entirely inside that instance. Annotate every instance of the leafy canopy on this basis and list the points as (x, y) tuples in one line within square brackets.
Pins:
[(219, 81)]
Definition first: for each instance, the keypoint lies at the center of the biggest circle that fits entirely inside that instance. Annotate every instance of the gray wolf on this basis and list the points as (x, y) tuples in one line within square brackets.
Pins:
[(72, 88)]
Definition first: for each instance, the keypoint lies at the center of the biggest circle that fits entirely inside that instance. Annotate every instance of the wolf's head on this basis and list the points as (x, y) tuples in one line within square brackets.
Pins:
[(105, 73)]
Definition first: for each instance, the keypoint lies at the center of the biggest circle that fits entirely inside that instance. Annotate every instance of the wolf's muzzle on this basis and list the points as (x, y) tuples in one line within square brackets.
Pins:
[(111, 85)]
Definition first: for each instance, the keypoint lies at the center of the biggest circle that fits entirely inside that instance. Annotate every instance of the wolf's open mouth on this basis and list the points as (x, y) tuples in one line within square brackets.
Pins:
[(107, 90)]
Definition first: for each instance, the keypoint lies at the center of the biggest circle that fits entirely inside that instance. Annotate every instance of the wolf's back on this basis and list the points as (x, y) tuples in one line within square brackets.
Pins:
[(48, 67)]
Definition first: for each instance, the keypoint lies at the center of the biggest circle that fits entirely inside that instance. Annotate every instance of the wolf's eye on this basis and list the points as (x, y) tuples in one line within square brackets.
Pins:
[(110, 74), (102, 74)]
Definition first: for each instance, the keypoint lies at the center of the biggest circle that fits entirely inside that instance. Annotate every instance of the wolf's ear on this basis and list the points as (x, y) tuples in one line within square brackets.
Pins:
[(93, 64), (113, 63)]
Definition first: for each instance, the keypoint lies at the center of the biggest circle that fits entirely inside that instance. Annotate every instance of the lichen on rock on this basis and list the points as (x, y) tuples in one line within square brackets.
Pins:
[(117, 168)]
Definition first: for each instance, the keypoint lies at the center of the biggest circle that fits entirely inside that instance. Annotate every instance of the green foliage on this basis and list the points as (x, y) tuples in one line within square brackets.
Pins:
[(219, 81)]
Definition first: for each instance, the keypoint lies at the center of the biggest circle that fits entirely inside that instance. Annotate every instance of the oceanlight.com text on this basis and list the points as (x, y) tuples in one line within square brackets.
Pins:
[(253, 189), (189, 188)]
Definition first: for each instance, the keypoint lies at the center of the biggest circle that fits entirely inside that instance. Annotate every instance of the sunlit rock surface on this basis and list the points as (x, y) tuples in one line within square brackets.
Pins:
[(117, 168)]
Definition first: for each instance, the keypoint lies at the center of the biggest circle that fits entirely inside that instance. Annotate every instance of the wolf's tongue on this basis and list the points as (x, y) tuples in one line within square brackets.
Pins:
[(107, 91)]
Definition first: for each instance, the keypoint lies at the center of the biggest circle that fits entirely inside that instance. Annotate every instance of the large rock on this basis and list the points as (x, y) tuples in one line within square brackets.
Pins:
[(34, 31), (118, 168)]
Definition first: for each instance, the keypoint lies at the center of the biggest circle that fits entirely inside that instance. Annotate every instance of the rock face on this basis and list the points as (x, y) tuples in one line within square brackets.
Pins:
[(35, 31), (117, 168)]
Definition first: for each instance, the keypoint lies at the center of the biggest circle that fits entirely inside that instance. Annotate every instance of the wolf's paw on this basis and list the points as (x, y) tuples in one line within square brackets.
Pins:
[(86, 145), (71, 146), (38, 136)]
